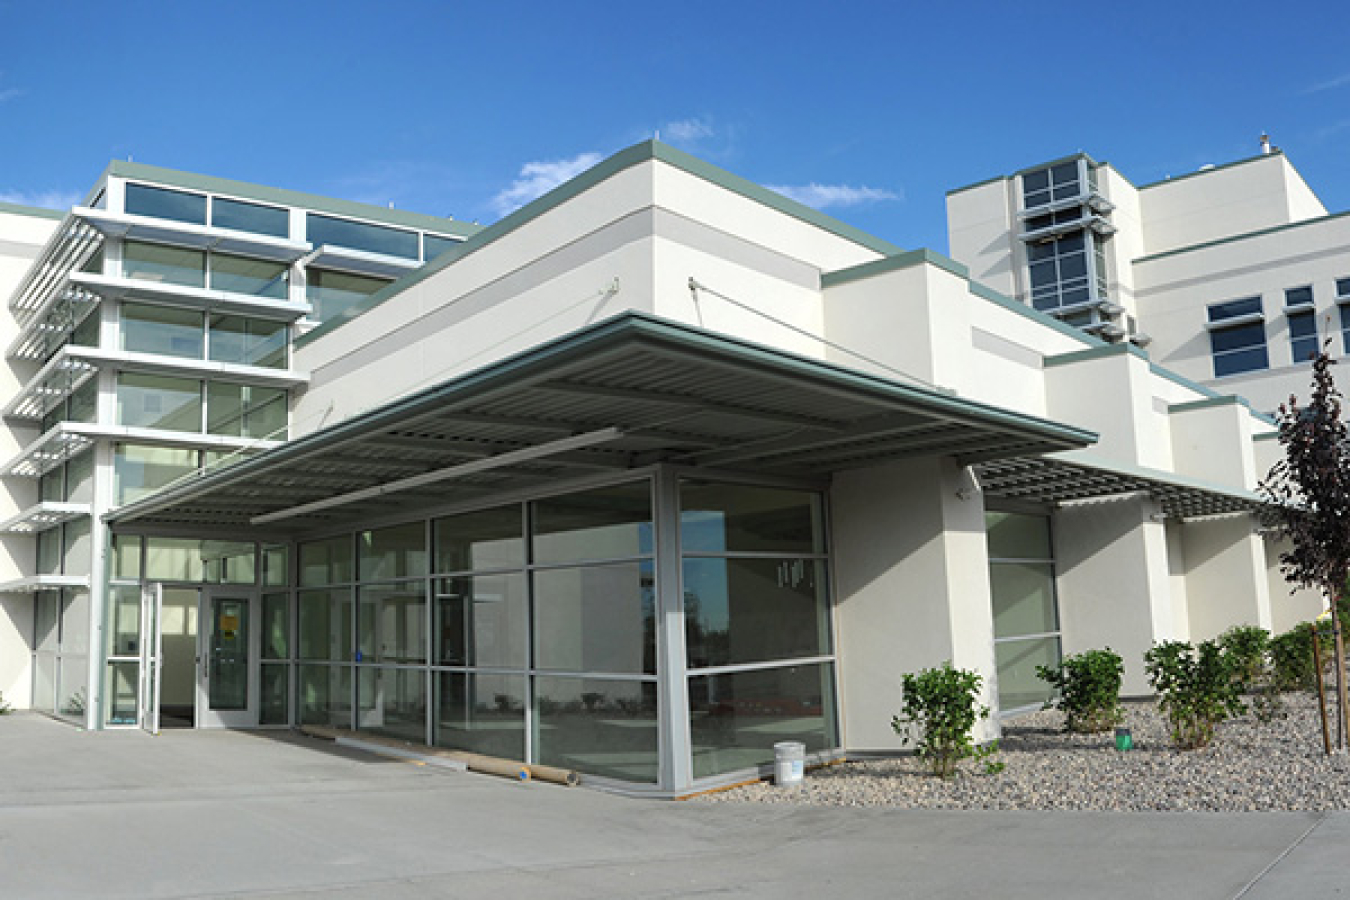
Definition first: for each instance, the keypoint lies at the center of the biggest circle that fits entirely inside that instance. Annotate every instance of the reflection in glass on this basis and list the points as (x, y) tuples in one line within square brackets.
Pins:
[(243, 410), (276, 626), (275, 693), (159, 401), (595, 618), (736, 718), (123, 678), (326, 562), (1023, 599), (124, 621), (248, 342), (360, 236), (162, 329), (162, 203), (744, 518), (332, 293), (325, 695), (1016, 662), (229, 654), (754, 610), (397, 552), (126, 556), (163, 264), (601, 726), (481, 620), (391, 623), (139, 470), (1018, 535), (254, 277), (173, 559), (241, 216), (481, 713), (487, 539), (392, 702), (325, 630), (608, 523)]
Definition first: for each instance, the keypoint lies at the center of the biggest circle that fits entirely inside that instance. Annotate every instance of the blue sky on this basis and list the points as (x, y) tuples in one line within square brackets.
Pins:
[(871, 111)]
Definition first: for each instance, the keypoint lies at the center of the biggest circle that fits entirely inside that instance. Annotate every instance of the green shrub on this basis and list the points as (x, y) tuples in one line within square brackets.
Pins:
[(1246, 647), (1291, 657), (1089, 689), (1196, 689), (4, 707), (943, 705)]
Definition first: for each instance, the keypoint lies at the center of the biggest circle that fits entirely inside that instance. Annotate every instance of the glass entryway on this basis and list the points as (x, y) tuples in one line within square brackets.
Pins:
[(228, 651)]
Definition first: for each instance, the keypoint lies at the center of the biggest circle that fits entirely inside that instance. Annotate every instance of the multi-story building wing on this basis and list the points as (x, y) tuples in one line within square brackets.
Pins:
[(151, 339), (1231, 275)]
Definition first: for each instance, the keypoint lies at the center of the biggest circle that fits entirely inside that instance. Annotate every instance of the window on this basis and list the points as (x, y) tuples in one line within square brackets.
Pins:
[(242, 410), (139, 470), (333, 293), (161, 203), (252, 217), (1237, 336), (1059, 272), (249, 342), (1058, 182), (163, 264), (254, 277), (159, 401), (1298, 309), (433, 245), (1026, 615), (361, 236), (162, 329)]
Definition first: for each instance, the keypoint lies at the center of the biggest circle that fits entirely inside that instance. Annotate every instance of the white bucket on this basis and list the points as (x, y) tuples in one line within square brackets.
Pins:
[(789, 762)]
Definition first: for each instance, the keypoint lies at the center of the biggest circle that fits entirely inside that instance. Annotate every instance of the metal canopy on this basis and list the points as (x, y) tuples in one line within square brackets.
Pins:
[(627, 393), (1070, 477)]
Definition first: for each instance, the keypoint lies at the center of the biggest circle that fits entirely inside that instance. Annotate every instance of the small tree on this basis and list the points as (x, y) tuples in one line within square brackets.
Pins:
[(1089, 689), (1196, 689), (1309, 492), (943, 704)]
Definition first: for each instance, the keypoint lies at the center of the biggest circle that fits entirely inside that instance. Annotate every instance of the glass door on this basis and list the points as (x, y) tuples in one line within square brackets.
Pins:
[(227, 670), (152, 606)]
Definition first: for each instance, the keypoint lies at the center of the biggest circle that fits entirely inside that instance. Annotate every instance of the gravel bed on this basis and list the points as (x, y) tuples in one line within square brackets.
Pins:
[(1279, 765)]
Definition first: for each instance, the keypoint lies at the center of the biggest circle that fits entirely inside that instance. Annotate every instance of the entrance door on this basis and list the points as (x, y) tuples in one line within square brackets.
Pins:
[(152, 607), (227, 670)]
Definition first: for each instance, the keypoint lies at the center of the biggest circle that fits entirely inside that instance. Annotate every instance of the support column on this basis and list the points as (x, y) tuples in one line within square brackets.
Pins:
[(675, 748), (1226, 578)]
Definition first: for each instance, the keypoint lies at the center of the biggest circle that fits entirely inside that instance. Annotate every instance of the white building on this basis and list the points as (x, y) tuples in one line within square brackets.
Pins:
[(652, 473)]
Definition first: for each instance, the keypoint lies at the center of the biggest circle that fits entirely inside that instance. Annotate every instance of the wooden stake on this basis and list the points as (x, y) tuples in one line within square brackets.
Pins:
[(1321, 688)]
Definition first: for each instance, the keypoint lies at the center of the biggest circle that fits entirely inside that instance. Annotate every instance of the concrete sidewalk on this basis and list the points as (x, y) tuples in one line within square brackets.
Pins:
[(230, 814)]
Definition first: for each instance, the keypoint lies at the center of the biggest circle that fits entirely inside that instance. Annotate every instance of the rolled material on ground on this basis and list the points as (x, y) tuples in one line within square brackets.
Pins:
[(556, 775), (475, 762)]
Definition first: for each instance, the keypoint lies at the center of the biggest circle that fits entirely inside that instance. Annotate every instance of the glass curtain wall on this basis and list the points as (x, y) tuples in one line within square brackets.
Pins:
[(61, 652), (1026, 614), (757, 623)]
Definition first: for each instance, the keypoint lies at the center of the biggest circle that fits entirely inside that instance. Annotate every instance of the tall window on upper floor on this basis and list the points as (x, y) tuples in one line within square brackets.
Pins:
[(164, 264), (361, 236), (1343, 301), (1298, 309), (1059, 272), (333, 293), (162, 203), (1237, 336), (162, 329), (254, 277), (178, 404), (434, 245), (1058, 182)]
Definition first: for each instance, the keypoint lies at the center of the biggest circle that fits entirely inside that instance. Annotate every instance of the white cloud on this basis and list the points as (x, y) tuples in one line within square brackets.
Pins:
[(62, 200), (538, 178), (1331, 84), (833, 196), (687, 131)]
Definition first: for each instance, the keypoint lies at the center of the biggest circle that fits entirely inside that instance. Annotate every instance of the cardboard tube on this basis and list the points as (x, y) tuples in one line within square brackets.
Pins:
[(556, 775)]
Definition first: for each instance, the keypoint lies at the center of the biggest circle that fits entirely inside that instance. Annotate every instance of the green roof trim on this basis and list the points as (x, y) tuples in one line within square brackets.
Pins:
[(978, 184), (895, 263), (287, 197), (1274, 229), (925, 256), (37, 212), (1210, 402), (605, 169), (1182, 380), (1219, 168), (1102, 352)]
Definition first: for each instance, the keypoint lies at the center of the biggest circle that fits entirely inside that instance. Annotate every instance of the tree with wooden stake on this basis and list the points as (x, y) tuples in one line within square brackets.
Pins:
[(1309, 494)]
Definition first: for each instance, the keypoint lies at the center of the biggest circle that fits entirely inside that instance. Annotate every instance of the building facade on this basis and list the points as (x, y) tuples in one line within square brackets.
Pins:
[(650, 474)]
